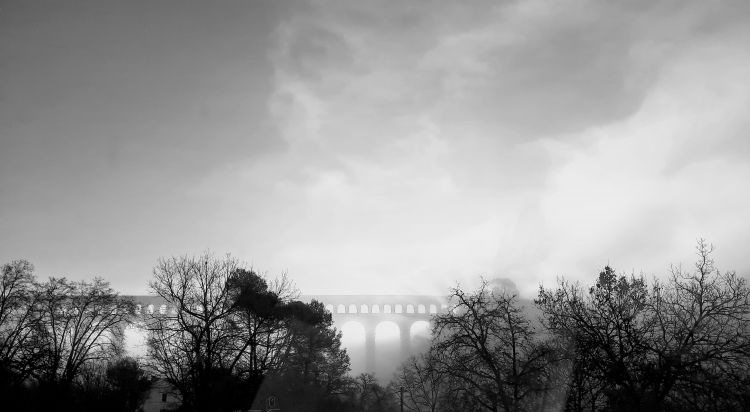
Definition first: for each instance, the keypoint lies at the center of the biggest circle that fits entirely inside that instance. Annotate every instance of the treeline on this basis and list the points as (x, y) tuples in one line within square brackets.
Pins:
[(61, 345), (682, 344), (231, 338), (234, 339)]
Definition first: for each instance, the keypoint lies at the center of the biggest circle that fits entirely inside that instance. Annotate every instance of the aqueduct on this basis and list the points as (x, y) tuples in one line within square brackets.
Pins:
[(367, 310), (370, 310)]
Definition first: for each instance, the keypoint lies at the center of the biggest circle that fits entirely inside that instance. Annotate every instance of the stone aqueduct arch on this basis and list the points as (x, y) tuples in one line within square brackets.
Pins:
[(367, 310), (371, 310)]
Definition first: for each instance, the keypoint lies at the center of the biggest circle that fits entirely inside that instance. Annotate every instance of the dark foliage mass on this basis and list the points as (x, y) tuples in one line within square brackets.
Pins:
[(232, 338)]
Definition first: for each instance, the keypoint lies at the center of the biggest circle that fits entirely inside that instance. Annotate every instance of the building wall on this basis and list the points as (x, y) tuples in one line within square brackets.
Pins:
[(156, 402)]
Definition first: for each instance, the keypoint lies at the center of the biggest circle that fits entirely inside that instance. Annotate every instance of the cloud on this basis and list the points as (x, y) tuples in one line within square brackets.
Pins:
[(641, 190), (432, 143), (379, 146)]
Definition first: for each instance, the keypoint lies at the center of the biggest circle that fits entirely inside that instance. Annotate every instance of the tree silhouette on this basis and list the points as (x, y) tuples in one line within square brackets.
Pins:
[(79, 323), (120, 385), (19, 320), (231, 335), (681, 344), (489, 346), (426, 386)]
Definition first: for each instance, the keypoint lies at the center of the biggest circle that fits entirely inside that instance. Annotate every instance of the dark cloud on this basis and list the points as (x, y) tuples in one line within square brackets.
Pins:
[(110, 112)]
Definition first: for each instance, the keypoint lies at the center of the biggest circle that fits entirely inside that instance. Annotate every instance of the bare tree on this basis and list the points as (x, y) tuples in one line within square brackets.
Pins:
[(185, 346), (684, 343), (490, 347), (426, 387), (607, 328), (79, 322), (700, 341), (227, 331), (18, 321), (368, 395)]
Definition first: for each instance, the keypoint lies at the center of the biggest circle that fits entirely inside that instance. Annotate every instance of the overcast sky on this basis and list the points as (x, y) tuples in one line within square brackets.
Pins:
[(374, 147)]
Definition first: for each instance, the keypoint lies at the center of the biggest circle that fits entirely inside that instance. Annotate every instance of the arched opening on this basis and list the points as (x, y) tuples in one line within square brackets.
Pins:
[(420, 336), (353, 339), (409, 308), (433, 309), (134, 341), (387, 348), (352, 308), (162, 309), (341, 308), (421, 309), (387, 331), (399, 309), (329, 308), (386, 308), (376, 308), (150, 309), (364, 308)]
